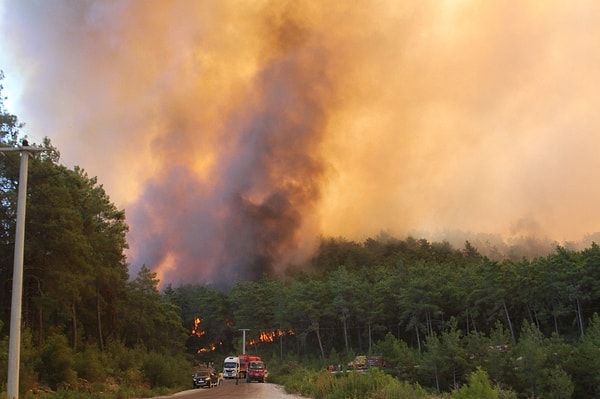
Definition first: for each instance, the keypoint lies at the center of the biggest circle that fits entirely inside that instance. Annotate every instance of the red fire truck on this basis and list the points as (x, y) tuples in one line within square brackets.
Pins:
[(257, 371), (244, 360)]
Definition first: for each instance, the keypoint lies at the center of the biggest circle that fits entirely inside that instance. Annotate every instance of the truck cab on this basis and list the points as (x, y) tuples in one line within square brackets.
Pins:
[(257, 371), (231, 367), (244, 361)]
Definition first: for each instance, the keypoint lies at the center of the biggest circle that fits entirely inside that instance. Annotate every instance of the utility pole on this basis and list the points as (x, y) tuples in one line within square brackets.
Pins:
[(243, 330), (14, 348)]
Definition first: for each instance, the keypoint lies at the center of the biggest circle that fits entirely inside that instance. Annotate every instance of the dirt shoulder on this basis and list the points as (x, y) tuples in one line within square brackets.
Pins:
[(274, 391)]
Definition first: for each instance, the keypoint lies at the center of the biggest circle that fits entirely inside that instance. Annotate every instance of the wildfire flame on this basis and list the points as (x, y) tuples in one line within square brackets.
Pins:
[(196, 328), (197, 331), (211, 348), (269, 336)]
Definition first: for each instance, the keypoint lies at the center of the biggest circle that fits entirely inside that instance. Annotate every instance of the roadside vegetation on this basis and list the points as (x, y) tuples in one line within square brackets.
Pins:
[(376, 384), (448, 322)]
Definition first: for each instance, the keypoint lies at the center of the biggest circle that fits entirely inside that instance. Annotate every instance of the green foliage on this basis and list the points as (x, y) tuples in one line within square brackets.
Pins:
[(558, 384), (373, 385), (154, 322), (57, 365), (29, 359), (164, 371), (584, 365), (479, 387), (530, 361), (88, 364), (402, 361), (499, 355), (125, 362), (395, 389)]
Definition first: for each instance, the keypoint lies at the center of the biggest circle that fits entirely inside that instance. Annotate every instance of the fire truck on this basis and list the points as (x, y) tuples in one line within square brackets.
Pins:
[(257, 371), (244, 360)]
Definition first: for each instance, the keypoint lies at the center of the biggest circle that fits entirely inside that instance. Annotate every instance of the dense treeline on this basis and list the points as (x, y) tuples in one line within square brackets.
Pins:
[(434, 312), (84, 319)]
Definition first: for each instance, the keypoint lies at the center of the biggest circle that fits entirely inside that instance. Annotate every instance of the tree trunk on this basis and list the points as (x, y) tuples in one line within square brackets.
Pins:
[(99, 322), (437, 378), (138, 338), (346, 334), (555, 319), (468, 330), (370, 339), (318, 331), (510, 327), (531, 320), (579, 316), (473, 324), (418, 336), (360, 343), (74, 319), (429, 321), (41, 330), (280, 344), (537, 319)]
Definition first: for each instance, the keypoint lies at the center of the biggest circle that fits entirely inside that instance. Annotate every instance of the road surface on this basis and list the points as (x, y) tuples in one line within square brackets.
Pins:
[(229, 390)]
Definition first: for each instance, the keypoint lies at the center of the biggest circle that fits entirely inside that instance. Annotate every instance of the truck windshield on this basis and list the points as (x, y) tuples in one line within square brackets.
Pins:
[(230, 365)]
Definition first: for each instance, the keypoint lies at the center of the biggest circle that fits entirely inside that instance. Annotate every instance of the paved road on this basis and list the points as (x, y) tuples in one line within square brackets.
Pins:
[(229, 390)]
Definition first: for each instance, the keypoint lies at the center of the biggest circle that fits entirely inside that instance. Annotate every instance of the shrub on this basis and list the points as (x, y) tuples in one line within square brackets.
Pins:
[(57, 363), (399, 390), (371, 385), (479, 387), (165, 371), (88, 364), (558, 384)]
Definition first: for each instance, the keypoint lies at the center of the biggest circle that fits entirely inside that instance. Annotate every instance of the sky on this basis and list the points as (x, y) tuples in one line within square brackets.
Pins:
[(236, 133)]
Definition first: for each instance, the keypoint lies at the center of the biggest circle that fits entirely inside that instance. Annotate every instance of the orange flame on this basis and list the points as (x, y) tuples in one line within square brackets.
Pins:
[(196, 328), (209, 349), (269, 336)]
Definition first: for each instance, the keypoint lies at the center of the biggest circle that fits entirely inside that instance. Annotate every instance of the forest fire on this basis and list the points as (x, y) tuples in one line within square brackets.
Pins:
[(211, 348), (196, 331), (263, 337), (269, 336)]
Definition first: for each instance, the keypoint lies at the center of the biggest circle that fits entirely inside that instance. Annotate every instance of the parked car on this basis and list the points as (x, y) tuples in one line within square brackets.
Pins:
[(257, 371), (205, 378)]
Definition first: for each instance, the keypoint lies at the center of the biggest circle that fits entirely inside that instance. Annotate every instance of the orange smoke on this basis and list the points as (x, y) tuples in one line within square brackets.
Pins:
[(234, 134)]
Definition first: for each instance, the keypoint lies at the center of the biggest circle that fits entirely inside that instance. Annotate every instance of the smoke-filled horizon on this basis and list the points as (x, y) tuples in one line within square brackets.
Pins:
[(235, 133)]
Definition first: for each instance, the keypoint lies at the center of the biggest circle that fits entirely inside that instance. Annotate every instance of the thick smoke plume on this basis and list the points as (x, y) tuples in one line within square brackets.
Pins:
[(235, 133)]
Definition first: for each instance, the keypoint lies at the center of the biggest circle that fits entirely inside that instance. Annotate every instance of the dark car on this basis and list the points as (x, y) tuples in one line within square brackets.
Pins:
[(205, 378)]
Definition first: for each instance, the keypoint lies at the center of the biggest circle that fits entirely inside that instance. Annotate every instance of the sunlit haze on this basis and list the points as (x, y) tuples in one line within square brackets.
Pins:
[(235, 133)]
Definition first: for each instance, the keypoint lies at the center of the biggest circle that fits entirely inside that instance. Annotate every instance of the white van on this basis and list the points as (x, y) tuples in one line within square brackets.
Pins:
[(231, 367)]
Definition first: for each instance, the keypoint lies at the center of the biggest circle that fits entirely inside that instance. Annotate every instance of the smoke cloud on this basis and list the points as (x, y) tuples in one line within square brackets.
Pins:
[(234, 133)]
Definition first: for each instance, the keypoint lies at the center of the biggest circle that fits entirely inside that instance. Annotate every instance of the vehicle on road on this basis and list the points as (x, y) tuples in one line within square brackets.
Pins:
[(256, 371), (205, 378), (244, 361), (231, 367)]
